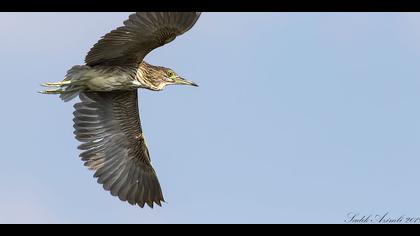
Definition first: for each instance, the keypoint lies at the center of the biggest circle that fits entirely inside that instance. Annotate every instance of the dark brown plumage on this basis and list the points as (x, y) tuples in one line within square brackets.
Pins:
[(108, 125), (141, 33), (106, 120)]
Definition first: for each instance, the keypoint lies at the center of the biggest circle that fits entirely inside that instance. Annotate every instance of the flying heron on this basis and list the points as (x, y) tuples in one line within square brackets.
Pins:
[(106, 120)]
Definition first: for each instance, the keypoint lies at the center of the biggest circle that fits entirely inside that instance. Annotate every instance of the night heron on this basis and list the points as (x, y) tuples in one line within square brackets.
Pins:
[(106, 120)]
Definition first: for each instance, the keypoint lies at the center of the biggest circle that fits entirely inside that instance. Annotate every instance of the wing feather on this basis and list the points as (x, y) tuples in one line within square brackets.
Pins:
[(141, 33), (113, 145)]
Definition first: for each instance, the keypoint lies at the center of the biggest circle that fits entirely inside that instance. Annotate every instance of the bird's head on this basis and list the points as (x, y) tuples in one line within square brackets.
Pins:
[(170, 77), (157, 77)]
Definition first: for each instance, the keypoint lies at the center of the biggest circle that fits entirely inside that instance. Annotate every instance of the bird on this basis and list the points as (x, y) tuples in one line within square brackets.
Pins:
[(106, 120)]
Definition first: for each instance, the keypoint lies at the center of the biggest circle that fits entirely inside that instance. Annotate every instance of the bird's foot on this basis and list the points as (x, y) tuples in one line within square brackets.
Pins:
[(56, 84), (57, 91)]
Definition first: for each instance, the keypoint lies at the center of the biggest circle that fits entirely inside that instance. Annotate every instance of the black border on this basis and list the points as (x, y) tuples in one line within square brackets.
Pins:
[(211, 5)]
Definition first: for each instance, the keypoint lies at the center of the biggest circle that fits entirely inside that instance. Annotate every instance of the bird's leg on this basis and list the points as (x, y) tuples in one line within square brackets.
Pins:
[(57, 91), (56, 84)]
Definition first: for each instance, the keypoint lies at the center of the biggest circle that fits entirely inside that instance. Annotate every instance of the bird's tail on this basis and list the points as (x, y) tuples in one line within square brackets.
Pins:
[(70, 87)]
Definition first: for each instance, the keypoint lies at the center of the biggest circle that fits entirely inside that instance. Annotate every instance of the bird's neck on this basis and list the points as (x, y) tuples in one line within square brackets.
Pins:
[(145, 77)]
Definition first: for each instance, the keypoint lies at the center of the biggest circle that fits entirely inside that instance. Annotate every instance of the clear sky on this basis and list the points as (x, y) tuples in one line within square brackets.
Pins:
[(299, 118)]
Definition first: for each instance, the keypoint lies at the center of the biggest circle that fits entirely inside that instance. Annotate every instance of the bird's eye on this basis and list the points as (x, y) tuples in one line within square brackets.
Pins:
[(170, 73)]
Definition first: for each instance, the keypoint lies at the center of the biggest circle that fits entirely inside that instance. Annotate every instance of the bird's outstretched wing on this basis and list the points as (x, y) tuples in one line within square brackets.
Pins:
[(141, 33), (108, 125)]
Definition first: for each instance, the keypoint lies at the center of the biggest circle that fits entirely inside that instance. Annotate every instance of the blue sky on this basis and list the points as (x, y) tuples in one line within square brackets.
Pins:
[(299, 118)]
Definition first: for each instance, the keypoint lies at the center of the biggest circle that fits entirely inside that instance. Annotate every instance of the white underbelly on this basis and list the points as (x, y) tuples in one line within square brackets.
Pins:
[(108, 83), (98, 81)]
